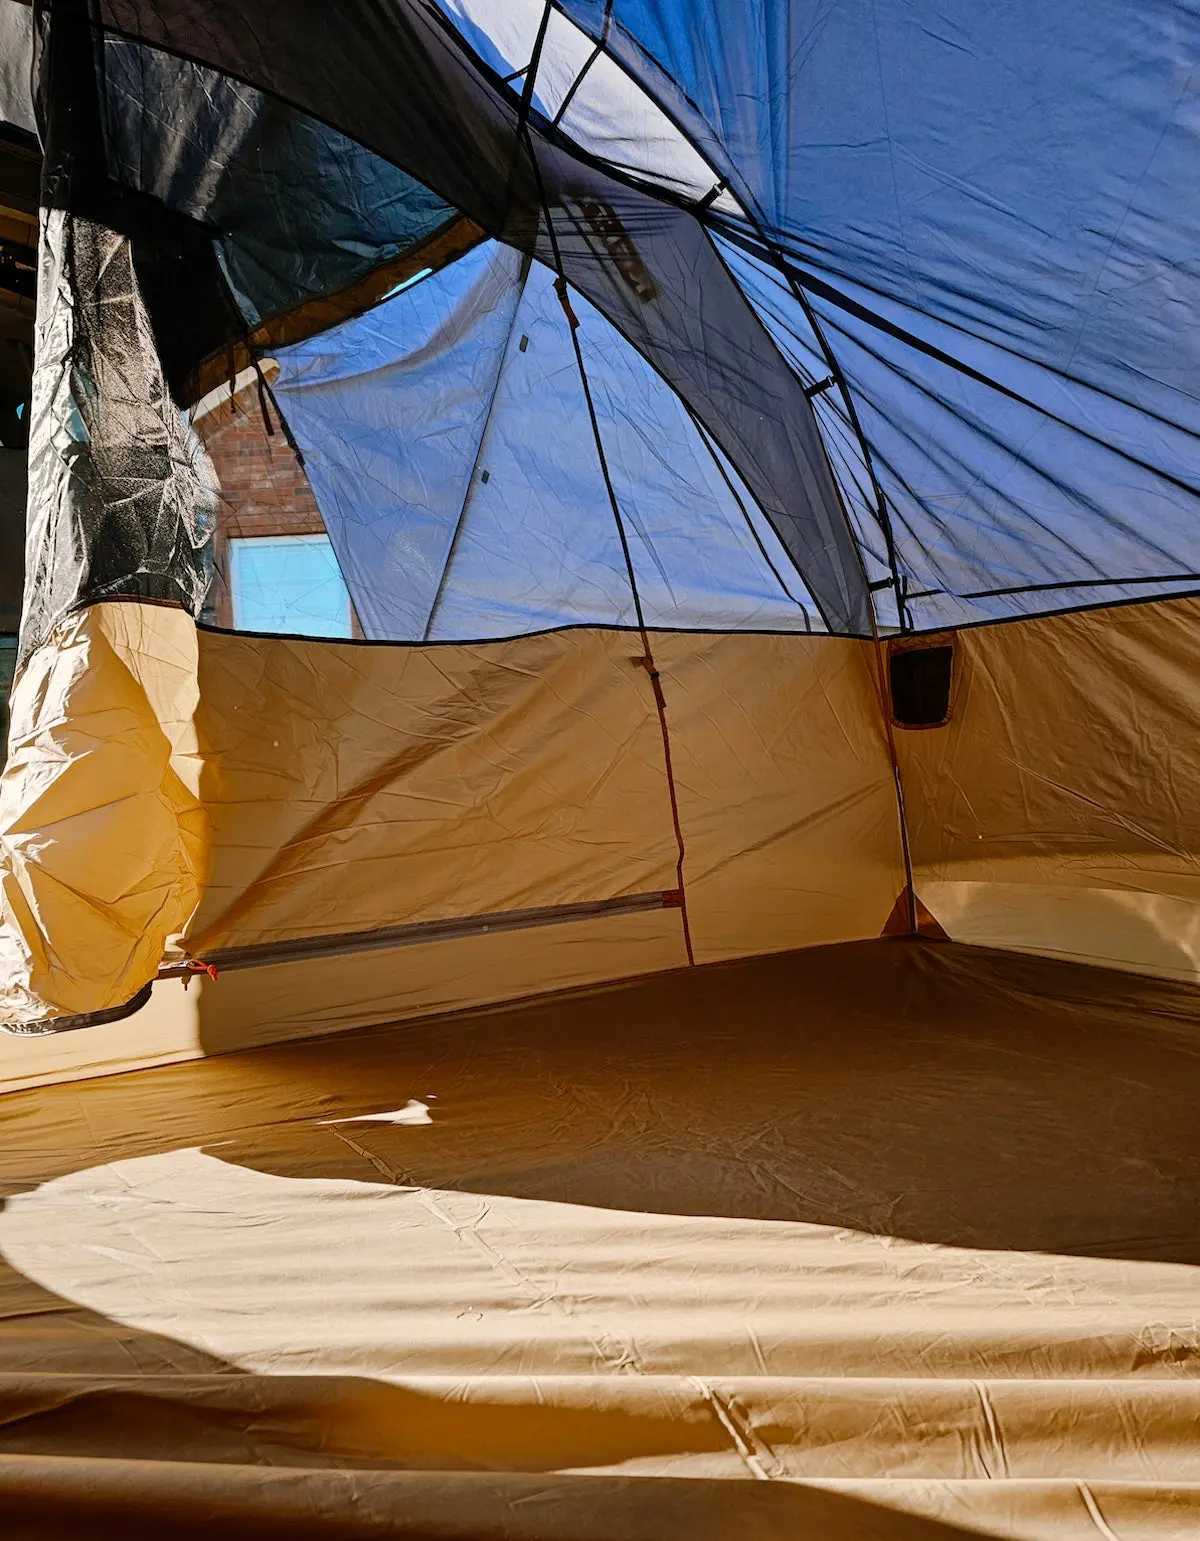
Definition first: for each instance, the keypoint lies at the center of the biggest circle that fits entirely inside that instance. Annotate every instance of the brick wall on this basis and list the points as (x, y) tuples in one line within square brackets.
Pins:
[(264, 490)]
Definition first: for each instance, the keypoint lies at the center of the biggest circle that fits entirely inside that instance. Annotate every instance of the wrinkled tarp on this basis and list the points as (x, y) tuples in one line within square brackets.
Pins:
[(1007, 188), (447, 439), (892, 1241)]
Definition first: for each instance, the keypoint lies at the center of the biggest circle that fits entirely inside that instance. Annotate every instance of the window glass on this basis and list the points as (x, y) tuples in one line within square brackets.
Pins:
[(289, 583)]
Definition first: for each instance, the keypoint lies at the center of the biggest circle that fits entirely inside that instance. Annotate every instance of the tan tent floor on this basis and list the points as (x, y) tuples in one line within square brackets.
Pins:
[(883, 1240)]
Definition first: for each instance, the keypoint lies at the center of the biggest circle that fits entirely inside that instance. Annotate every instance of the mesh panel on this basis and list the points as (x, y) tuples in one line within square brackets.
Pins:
[(121, 495)]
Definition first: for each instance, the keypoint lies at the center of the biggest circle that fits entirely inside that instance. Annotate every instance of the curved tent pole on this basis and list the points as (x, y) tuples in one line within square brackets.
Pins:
[(700, 212), (885, 522), (835, 369), (647, 659)]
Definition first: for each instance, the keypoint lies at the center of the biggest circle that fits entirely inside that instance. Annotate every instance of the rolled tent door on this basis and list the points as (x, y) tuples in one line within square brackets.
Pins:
[(103, 838), (101, 831)]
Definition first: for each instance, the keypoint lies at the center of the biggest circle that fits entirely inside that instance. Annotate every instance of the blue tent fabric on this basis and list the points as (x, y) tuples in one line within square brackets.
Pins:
[(1010, 185), (447, 438), (390, 411), (921, 283), (462, 135), (983, 523)]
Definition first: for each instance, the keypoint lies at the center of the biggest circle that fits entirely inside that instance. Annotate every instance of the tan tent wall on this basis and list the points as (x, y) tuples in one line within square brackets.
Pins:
[(1059, 811), (352, 787), (343, 787), (355, 787), (309, 787), (786, 790)]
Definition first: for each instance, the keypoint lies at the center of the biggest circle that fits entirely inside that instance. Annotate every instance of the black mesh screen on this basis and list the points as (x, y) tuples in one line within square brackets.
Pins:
[(12, 537), (919, 678)]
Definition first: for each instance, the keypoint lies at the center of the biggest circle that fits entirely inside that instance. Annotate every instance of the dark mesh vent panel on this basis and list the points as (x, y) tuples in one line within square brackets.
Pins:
[(919, 678)]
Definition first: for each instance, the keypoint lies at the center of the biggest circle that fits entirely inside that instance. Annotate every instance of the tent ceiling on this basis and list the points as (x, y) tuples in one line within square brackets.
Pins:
[(460, 402), (974, 250)]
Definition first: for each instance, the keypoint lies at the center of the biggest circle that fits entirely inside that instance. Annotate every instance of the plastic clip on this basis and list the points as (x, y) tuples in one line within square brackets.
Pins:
[(560, 288)]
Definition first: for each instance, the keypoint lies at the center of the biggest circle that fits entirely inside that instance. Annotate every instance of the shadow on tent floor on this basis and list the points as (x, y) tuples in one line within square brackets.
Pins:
[(932, 1092), (910, 1229)]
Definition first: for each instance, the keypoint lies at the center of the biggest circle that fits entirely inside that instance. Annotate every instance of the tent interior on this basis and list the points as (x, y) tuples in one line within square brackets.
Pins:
[(600, 813)]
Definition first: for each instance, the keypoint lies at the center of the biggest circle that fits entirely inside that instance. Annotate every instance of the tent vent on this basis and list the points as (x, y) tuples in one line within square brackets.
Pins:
[(919, 681)]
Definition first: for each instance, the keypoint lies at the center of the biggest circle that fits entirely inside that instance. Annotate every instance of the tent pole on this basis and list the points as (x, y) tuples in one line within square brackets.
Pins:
[(647, 660), (880, 652)]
